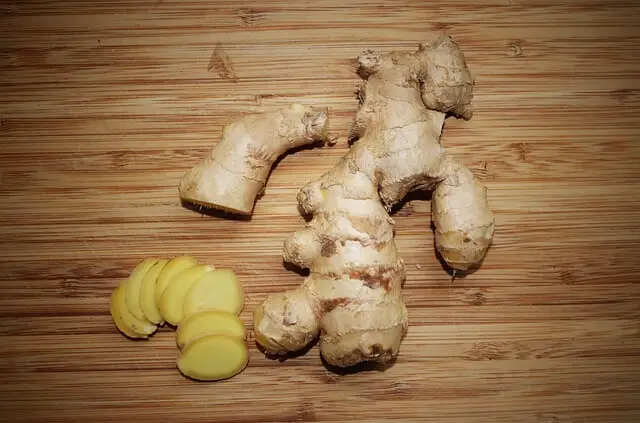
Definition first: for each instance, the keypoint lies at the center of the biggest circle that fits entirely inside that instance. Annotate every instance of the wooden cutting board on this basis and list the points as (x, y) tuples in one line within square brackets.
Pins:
[(104, 105)]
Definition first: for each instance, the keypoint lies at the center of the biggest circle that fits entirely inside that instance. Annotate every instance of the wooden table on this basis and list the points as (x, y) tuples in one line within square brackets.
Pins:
[(104, 106)]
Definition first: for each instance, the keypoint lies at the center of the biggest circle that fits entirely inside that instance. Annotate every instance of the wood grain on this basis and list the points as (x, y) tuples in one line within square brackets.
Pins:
[(106, 104)]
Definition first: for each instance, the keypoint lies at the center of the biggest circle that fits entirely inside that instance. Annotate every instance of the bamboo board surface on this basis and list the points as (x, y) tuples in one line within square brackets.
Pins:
[(104, 105)]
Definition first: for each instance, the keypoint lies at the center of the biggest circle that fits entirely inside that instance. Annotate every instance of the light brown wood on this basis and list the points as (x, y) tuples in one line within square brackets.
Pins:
[(104, 106)]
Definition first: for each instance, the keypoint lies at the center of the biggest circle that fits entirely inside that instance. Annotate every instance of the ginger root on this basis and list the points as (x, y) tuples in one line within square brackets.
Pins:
[(352, 297), (235, 172)]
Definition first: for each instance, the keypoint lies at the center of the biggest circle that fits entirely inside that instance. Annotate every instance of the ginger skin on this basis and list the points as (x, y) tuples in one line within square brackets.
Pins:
[(235, 171), (352, 297)]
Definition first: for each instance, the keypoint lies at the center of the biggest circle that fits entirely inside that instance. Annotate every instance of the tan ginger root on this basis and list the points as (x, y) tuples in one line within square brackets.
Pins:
[(352, 297), (235, 172)]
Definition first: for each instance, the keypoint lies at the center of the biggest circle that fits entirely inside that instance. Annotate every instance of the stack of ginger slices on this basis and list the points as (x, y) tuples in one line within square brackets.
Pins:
[(202, 302)]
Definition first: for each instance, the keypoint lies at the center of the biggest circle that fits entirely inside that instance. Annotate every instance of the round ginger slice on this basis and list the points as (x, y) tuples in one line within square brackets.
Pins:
[(134, 287), (213, 357), (148, 293), (209, 323), (175, 266), (117, 317), (172, 302), (218, 290), (143, 328)]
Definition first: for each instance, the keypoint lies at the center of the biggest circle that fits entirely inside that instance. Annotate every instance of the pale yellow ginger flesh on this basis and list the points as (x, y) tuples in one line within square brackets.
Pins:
[(171, 304), (117, 317), (209, 323), (148, 293), (125, 321), (352, 297), (212, 341), (235, 171), (134, 287), (213, 357), (175, 266), (217, 290)]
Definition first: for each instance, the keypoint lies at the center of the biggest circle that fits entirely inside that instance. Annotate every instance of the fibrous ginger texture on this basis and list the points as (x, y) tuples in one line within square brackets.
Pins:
[(231, 176), (352, 297)]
